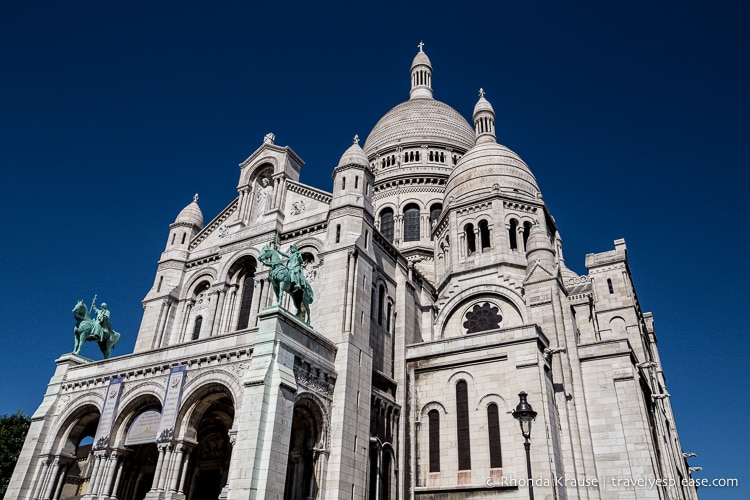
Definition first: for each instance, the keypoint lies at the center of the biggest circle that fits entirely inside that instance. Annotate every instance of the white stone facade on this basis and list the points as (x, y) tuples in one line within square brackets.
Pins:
[(441, 293)]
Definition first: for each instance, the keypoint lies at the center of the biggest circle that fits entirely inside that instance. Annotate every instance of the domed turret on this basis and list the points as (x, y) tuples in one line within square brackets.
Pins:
[(354, 155), (489, 166), (191, 214), (484, 120), (421, 76), (187, 224), (352, 179)]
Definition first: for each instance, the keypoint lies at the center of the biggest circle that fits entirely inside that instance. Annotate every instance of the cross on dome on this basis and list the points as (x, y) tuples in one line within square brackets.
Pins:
[(420, 45), (195, 198), (356, 139), (481, 92)]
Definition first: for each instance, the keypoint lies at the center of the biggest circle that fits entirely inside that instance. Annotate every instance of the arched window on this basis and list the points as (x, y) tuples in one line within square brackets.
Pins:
[(434, 214), (609, 285), (484, 234), (471, 242), (411, 223), (493, 429), (433, 419), (513, 234), (416, 156), (246, 300), (386, 224), (197, 327), (431, 156), (463, 435), (381, 303)]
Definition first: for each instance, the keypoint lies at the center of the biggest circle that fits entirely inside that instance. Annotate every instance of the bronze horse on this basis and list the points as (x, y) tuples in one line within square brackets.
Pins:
[(84, 330)]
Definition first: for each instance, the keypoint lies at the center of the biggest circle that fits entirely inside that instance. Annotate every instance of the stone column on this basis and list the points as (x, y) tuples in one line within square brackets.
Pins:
[(164, 472), (157, 471), (41, 478), (61, 477), (216, 323), (174, 470), (183, 473), (520, 244), (118, 476), (51, 480)]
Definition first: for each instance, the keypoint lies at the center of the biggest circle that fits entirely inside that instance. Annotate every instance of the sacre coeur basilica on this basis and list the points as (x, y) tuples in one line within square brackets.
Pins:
[(382, 341)]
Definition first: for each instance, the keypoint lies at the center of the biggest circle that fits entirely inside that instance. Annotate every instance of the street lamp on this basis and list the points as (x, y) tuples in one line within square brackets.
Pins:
[(525, 414)]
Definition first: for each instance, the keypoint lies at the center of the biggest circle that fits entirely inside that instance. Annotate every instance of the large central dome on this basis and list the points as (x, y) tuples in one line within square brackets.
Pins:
[(421, 119)]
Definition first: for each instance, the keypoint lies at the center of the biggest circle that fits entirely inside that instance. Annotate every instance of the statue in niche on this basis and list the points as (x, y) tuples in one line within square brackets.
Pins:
[(264, 192)]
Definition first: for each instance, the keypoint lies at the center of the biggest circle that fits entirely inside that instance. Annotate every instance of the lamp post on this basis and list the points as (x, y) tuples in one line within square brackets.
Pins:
[(525, 414)]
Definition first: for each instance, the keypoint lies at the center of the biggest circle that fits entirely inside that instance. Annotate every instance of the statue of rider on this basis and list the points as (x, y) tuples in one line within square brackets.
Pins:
[(294, 265), (102, 325)]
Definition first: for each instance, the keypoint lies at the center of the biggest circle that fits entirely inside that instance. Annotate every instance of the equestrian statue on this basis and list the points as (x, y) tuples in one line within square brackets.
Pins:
[(287, 275), (98, 329)]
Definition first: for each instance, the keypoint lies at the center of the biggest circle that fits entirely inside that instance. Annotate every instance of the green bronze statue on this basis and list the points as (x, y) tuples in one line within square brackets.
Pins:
[(288, 277), (98, 330)]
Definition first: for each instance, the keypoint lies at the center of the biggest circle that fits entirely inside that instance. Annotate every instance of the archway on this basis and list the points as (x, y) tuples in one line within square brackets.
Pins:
[(304, 467)]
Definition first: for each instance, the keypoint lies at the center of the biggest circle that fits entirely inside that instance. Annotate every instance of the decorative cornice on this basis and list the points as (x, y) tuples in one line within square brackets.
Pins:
[(218, 221), (522, 207), (310, 192)]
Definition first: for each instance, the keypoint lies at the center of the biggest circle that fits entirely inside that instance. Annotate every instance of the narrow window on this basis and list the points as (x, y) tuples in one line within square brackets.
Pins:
[(338, 233), (386, 224), (381, 300), (462, 426), (416, 156), (246, 301), (388, 318), (161, 280), (411, 223), (609, 285), (513, 234), (433, 417), (174, 235), (431, 156), (197, 327), (471, 242), (484, 234), (367, 238), (183, 238), (356, 181), (434, 214), (343, 183), (493, 428)]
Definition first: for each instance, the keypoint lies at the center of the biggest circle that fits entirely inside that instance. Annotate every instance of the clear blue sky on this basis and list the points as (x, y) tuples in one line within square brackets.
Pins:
[(633, 115)]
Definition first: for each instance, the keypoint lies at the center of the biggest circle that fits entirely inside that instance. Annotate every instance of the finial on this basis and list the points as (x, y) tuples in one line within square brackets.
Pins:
[(481, 92), (269, 137), (420, 45), (195, 198), (356, 139)]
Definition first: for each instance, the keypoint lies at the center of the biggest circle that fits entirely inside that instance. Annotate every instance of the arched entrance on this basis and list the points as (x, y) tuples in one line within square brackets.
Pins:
[(77, 449), (304, 468), (212, 418)]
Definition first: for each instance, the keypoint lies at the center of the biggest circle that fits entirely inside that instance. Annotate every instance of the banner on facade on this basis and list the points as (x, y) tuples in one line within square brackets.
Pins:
[(171, 404), (109, 410), (143, 430)]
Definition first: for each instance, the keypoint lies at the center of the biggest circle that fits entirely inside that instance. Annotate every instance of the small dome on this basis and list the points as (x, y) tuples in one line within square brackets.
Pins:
[(354, 155), (483, 105), (421, 58), (490, 167), (191, 214)]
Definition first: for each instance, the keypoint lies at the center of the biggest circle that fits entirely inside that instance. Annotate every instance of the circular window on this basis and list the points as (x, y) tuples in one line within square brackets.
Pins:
[(482, 318)]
